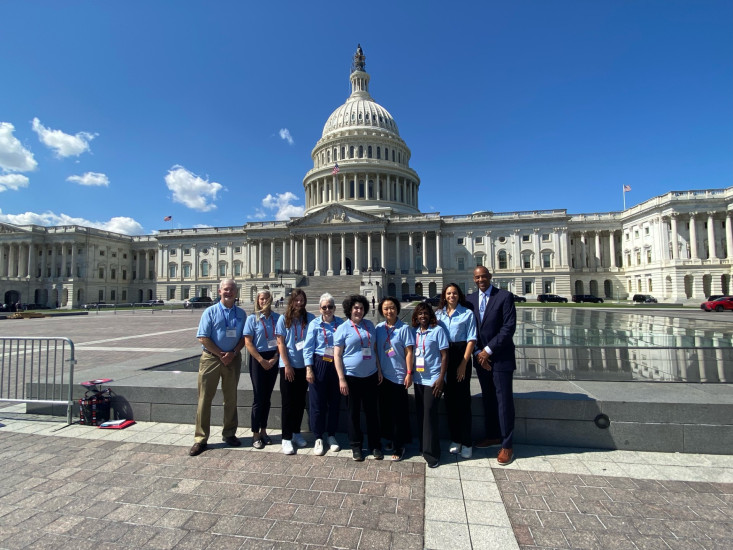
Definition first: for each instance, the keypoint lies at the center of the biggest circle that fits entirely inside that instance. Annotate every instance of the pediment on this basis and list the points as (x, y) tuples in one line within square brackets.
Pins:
[(335, 215), (7, 228)]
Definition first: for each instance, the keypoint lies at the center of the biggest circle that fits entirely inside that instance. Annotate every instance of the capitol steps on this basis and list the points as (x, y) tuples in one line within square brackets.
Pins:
[(339, 286)]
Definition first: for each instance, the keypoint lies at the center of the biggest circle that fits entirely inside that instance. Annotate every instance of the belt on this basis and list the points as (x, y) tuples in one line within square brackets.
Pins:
[(211, 353)]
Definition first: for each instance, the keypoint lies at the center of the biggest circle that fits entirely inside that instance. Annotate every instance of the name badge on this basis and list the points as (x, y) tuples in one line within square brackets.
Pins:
[(231, 333), (272, 343), (391, 352), (418, 352), (328, 354), (420, 364), (300, 345), (366, 353)]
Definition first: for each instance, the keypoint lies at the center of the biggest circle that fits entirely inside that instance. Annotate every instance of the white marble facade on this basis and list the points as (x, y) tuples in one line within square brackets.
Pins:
[(362, 226)]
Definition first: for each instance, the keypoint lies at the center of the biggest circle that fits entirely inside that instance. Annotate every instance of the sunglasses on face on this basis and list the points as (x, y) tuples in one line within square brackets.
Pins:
[(324, 308)]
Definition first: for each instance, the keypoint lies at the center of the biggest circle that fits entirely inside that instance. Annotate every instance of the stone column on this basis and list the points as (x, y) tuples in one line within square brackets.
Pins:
[(3, 263), (675, 239), (383, 250), (342, 271), (728, 237), (693, 236), (73, 261), (317, 267), (491, 251), (247, 258), (259, 261), (305, 255), (64, 255), (612, 248), (597, 255), (272, 258), (53, 262), (329, 271), (357, 268), (438, 265), (425, 252), (583, 251), (411, 251), (398, 266), (711, 237), (369, 252), (195, 262)]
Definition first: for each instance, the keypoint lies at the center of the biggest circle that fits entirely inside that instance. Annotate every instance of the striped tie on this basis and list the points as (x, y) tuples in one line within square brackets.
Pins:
[(482, 306)]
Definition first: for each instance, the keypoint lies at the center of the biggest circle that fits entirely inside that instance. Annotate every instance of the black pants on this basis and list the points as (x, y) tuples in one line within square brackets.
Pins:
[(263, 382), (427, 422), (498, 399), (458, 396), (293, 402), (394, 413), (324, 398), (363, 392)]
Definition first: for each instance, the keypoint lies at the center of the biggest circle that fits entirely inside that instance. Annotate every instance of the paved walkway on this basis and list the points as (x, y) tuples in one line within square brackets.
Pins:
[(82, 487)]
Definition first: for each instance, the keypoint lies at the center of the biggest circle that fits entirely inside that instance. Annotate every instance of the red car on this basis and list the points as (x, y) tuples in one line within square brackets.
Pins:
[(721, 304)]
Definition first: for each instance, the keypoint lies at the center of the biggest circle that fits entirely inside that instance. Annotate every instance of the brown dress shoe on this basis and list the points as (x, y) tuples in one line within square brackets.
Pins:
[(505, 457), (197, 449), (487, 442), (232, 441)]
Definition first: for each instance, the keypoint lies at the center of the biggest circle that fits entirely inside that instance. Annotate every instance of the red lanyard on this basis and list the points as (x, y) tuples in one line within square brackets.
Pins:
[(302, 330), (425, 337), (369, 338), (325, 334), (264, 326), (389, 334)]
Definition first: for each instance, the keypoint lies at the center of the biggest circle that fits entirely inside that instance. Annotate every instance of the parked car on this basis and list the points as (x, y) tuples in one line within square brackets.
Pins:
[(94, 305), (197, 301), (434, 301), (155, 302), (413, 298), (519, 298), (580, 298), (713, 297), (721, 304), (644, 299), (552, 298)]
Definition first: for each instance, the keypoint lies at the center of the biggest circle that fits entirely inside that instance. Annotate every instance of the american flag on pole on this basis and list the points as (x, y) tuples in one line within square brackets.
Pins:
[(167, 218), (335, 169), (627, 188)]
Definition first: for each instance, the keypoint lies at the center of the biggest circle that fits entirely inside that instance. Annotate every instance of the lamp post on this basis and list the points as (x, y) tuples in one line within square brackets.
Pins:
[(281, 279)]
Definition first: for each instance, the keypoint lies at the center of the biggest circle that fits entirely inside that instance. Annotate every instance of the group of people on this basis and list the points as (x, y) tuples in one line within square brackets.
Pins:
[(328, 356)]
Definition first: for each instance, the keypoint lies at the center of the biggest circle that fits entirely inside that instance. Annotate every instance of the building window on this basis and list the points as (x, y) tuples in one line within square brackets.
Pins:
[(636, 233), (185, 292), (479, 260), (101, 252), (546, 237), (526, 260), (351, 150), (205, 268), (361, 151), (101, 273), (113, 295), (124, 275), (222, 250), (237, 269), (461, 264), (526, 238), (114, 254), (369, 152), (502, 259), (379, 152), (124, 257), (174, 252), (114, 273), (648, 256), (638, 258), (171, 293), (186, 251), (479, 240), (124, 295), (237, 249), (222, 270), (528, 287), (546, 259), (460, 240), (502, 239), (626, 236), (204, 251), (186, 270), (646, 230), (172, 270)]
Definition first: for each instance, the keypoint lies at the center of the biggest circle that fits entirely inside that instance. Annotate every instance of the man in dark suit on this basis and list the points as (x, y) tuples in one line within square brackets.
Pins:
[(496, 320)]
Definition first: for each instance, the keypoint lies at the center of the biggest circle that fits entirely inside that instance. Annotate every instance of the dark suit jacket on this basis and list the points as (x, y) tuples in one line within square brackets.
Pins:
[(497, 328)]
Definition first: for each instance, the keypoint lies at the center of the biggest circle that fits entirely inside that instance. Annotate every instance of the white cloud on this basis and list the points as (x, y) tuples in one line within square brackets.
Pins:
[(191, 190), (12, 181), (90, 178), (64, 145), (281, 204), (120, 224), (285, 134), (202, 226), (13, 156)]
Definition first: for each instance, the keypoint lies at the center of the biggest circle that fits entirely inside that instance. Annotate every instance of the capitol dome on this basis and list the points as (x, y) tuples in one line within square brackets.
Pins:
[(361, 161)]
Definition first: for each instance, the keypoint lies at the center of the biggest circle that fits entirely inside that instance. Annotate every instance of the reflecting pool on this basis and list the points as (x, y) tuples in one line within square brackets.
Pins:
[(591, 344)]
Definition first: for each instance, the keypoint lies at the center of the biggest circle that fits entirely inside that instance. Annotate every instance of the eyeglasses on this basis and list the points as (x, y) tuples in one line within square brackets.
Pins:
[(324, 308)]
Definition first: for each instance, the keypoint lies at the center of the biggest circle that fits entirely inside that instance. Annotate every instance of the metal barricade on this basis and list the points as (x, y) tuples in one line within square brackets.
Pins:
[(38, 370)]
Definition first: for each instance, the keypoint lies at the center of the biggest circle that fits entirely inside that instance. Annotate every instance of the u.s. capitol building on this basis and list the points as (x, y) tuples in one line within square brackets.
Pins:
[(363, 231)]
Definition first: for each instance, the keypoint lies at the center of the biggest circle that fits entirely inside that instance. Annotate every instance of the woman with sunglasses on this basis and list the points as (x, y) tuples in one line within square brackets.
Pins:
[(431, 363), (261, 342), (290, 330), (460, 324), (359, 374), (324, 397), (395, 344)]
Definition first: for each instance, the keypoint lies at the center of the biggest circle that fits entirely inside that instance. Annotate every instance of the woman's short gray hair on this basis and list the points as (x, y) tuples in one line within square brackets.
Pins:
[(326, 297)]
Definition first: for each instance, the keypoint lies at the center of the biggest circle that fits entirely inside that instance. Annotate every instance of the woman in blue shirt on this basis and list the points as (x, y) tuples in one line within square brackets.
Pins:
[(261, 342), (460, 324), (395, 343), (431, 363), (290, 331), (324, 398), (359, 374)]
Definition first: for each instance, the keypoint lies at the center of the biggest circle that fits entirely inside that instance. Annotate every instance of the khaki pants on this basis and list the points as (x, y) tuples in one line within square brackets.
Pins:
[(211, 370)]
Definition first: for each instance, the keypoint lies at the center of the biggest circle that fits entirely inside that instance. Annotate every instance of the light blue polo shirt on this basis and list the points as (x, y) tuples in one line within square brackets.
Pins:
[(398, 338), (352, 338), (293, 335), (428, 345), (216, 320), (461, 326), (262, 329), (319, 335)]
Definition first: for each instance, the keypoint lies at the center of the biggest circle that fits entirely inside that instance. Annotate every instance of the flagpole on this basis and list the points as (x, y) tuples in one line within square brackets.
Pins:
[(623, 192)]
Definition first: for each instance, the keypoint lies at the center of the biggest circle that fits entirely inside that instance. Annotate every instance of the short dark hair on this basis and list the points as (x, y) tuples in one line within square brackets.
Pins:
[(349, 302), (461, 295), (392, 299), (424, 306)]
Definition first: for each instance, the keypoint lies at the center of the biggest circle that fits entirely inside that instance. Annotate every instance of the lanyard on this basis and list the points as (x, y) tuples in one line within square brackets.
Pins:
[(369, 338), (226, 314), (425, 337), (302, 330), (325, 334), (389, 334), (264, 326)]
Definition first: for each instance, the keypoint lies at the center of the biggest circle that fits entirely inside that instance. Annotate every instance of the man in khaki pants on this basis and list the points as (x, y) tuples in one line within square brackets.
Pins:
[(220, 334)]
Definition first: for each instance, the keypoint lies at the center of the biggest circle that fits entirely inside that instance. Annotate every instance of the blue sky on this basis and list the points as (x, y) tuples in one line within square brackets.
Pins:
[(117, 114)]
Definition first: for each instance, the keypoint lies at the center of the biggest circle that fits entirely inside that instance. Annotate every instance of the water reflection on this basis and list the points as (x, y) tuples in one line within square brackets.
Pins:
[(584, 344)]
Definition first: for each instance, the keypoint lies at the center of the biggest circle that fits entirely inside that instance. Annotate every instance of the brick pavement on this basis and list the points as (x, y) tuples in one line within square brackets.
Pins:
[(64, 492)]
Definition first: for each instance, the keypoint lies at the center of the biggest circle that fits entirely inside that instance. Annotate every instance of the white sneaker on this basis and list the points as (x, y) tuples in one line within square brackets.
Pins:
[(288, 447), (454, 448), (334, 446), (299, 441), (318, 448), (467, 452)]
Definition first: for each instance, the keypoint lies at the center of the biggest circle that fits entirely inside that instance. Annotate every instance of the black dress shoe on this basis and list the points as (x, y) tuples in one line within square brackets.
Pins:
[(232, 440), (378, 454), (356, 454), (197, 449)]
